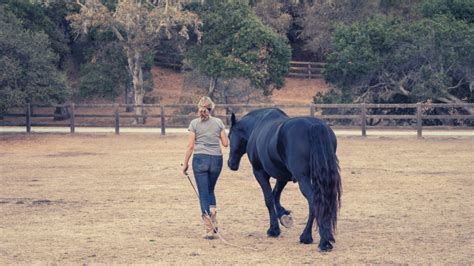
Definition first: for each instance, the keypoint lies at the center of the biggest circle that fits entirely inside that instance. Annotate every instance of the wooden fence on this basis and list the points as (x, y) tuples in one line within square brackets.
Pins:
[(179, 115), (169, 61), (310, 70)]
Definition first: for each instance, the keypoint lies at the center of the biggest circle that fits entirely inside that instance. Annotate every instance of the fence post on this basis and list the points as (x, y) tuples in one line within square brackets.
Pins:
[(311, 110), (363, 119), (117, 119), (419, 121), (309, 70), (162, 117), (72, 119), (28, 118)]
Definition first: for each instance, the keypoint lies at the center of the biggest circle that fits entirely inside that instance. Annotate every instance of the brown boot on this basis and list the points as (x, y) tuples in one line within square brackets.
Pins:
[(208, 226), (214, 219)]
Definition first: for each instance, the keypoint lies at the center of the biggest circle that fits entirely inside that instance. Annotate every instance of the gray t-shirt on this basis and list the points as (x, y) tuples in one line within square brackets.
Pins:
[(208, 135)]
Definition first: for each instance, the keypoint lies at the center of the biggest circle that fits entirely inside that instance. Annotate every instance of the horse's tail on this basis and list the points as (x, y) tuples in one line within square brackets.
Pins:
[(325, 179)]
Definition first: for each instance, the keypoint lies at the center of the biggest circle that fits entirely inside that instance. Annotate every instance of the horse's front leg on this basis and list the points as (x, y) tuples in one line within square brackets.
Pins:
[(282, 213), (264, 180)]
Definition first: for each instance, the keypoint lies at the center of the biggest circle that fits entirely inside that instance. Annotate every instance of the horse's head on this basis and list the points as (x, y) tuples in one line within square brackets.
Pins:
[(238, 143)]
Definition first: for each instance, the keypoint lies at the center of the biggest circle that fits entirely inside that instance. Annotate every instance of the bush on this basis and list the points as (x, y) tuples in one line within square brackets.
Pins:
[(459, 9), (387, 60)]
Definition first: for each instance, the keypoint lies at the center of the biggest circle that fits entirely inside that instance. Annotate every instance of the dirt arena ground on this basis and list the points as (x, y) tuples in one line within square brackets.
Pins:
[(101, 198)]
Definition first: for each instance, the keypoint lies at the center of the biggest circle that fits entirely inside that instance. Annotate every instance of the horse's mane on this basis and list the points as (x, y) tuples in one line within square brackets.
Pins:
[(248, 121), (263, 112)]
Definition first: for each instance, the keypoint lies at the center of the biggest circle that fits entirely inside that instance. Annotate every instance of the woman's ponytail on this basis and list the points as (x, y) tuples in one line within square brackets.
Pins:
[(205, 105)]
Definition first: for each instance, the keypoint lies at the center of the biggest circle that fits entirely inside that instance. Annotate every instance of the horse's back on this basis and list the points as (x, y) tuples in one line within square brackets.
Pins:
[(262, 147), (281, 145)]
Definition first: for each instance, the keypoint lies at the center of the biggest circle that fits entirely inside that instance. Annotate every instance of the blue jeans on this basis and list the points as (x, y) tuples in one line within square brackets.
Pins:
[(207, 169)]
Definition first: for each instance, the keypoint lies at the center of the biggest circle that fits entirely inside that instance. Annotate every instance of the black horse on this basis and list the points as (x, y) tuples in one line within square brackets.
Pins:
[(301, 149)]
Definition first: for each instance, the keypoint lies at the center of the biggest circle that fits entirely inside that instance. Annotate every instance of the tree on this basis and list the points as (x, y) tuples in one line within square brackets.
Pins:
[(320, 18), (272, 14), (459, 9), (236, 44), (28, 66), (387, 60), (48, 18), (138, 25), (105, 73)]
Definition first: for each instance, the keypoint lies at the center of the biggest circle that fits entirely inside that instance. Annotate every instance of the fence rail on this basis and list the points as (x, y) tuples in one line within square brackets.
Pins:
[(298, 69), (310, 70), (156, 115), (173, 61)]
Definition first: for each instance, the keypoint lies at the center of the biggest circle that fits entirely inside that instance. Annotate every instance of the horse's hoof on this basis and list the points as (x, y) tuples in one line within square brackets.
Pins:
[(272, 232), (286, 220), (306, 240), (325, 247)]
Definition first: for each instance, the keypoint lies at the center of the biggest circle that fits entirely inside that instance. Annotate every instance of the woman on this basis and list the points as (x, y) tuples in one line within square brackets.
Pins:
[(205, 133)]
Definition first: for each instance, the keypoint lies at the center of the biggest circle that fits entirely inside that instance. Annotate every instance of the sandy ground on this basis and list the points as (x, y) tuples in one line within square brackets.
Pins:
[(102, 198), (299, 91), (339, 132)]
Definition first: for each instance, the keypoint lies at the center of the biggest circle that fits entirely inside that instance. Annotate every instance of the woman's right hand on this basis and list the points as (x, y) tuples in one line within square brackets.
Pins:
[(185, 169), (189, 151)]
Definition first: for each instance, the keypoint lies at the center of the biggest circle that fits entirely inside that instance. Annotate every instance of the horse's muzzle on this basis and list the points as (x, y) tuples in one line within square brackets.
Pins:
[(232, 166)]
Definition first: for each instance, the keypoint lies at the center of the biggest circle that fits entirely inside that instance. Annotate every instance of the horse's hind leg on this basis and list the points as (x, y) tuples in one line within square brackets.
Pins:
[(279, 186), (305, 186), (280, 210), (264, 181)]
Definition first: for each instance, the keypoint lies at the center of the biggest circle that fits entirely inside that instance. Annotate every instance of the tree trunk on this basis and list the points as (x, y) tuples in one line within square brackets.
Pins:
[(128, 97), (448, 99), (212, 87), (135, 65), (228, 111), (61, 113), (452, 99)]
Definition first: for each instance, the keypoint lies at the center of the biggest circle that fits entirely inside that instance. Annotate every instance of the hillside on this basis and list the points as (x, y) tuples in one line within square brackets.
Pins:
[(169, 88)]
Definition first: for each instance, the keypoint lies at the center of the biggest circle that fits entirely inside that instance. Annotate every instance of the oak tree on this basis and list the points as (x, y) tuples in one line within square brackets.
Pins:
[(138, 25)]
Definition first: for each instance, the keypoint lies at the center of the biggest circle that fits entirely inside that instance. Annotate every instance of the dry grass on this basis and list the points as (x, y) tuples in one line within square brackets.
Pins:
[(120, 199), (169, 88)]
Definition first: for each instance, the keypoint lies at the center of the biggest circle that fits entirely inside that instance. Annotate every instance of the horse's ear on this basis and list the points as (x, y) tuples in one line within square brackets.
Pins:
[(233, 120)]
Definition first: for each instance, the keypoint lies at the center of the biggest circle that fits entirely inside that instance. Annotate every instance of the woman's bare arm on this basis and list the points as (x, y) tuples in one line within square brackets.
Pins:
[(224, 138), (189, 151)]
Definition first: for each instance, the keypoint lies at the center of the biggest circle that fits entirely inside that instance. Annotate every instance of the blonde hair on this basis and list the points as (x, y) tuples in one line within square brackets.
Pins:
[(204, 105)]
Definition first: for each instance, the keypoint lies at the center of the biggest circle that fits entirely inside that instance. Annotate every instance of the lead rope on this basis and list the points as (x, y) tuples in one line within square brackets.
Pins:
[(215, 228)]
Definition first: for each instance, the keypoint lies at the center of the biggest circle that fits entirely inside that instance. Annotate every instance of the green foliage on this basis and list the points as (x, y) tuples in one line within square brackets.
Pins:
[(460, 9), (105, 74), (110, 4), (274, 15), (320, 18), (104, 68), (49, 19), (333, 96), (386, 60), (28, 72), (235, 43), (357, 50)]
